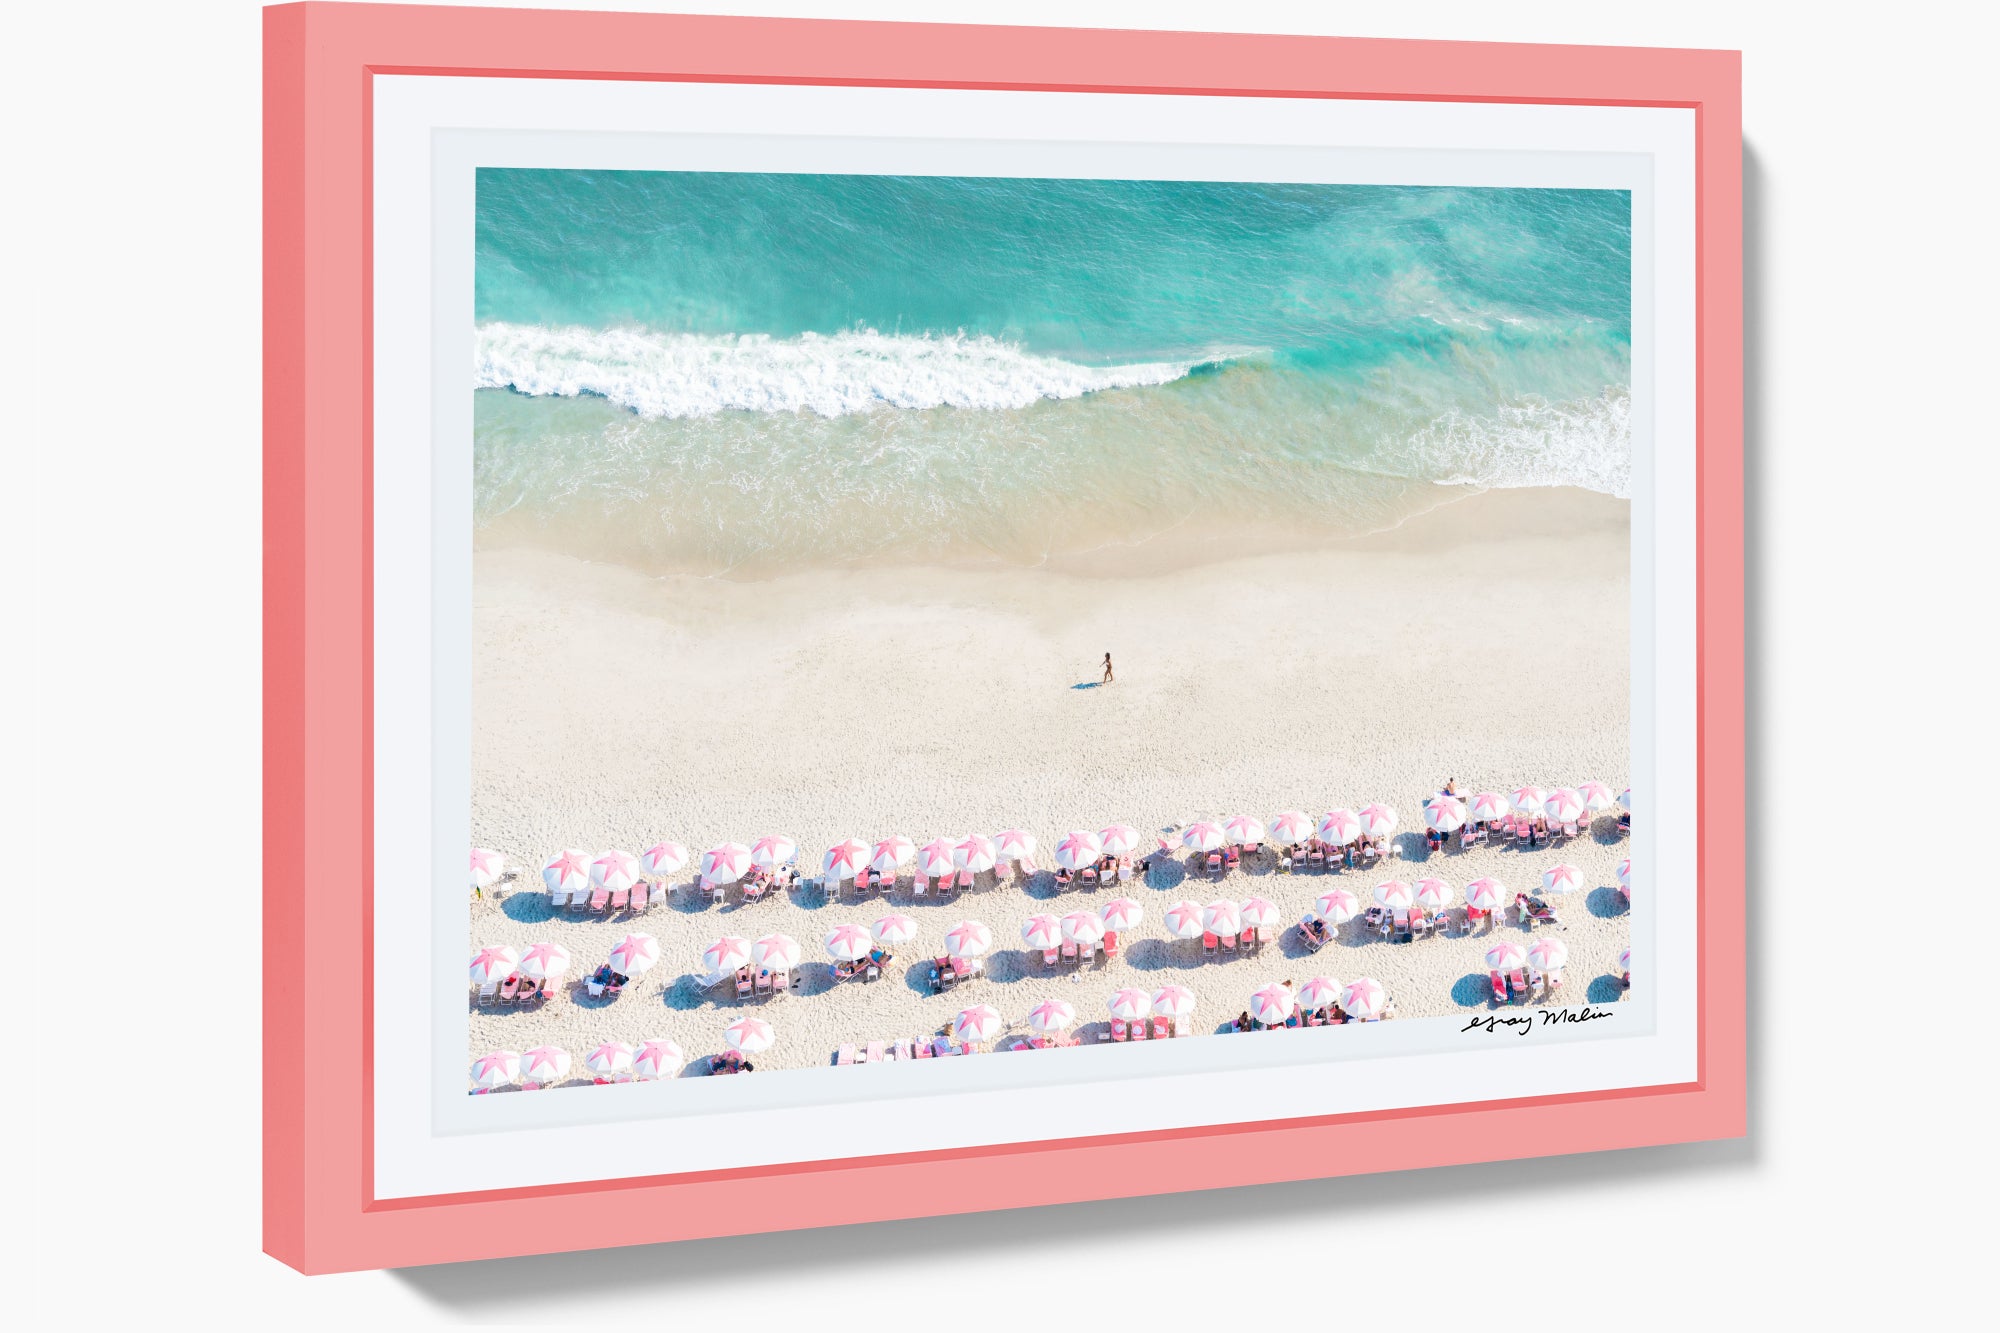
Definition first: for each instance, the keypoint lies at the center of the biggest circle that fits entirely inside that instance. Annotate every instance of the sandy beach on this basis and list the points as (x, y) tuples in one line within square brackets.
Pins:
[(1484, 641)]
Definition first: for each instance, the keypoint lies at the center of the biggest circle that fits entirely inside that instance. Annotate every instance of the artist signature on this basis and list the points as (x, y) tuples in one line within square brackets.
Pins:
[(1521, 1025)]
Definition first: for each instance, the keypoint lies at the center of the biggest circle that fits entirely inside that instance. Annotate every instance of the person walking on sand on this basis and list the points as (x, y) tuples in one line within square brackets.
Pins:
[(1107, 670)]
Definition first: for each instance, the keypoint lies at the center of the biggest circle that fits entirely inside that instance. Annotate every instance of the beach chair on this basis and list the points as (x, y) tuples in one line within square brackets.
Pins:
[(1138, 1030), (1124, 869), (579, 902), (964, 969), (1499, 984), (1209, 943), (965, 879), (718, 894), (711, 981), (1049, 957), (1316, 859), (1473, 916), (1420, 924), (1466, 837), (1517, 981), (1118, 1030), (871, 970), (1403, 928), (600, 900), (1027, 865), (558, 899), (1088, 875), (488, 991), (658, 897), (875, 1053), (1069, 951), (761, 983), (1110, 945), (924, 1051), (1215, 864), (1228, 943), (744, 984), (901, 1050), (1384, 923), (1163, 1027), (1232, 857), (594, 987), (1534, 979), (510, 990), (619, 901), (844, 1056), (920, 885), (1569, 829)]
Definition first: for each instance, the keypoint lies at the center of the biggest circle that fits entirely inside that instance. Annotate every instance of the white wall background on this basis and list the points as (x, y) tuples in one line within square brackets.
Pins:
[(131, 268)]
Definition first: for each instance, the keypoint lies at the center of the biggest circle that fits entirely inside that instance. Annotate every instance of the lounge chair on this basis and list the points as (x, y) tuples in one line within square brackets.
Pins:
[(558, 899), (1049, 957), (1473, 916), (761, 984), (510, 990), (594, 986), (657, 896), (924, 1051), (964, 969), (1534, 979), (901, 1050), (965, 879), (1063, 878), (875, 1053), (1316, 859), (1555, 980), (1517, 980), (579, 902), (1163, 1027), (1233, 857), (1215, 863), (1209, 942), (1402, 920), (600, 900), (1088, 875), (488, 991), (1384, 923), (1069, 953), (1139, 1030), (1027, 864), (1229, 944), (1420, 923), (1499, 987), (1466, 837), (920, 885), (1569, 828), (1110, 945), (844, 1056), (1118, 1030), (744, 985)]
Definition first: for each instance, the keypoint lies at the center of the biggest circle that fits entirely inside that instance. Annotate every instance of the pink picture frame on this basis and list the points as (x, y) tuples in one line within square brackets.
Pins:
[(320, 63)]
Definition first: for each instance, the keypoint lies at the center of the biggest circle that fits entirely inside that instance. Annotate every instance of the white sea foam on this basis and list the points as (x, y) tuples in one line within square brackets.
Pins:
[(694, 375), (1585, 443)]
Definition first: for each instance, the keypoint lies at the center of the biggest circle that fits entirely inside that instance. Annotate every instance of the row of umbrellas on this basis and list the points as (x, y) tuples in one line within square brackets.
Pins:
[(657, 1057), (1564, 805), (1364, 997)]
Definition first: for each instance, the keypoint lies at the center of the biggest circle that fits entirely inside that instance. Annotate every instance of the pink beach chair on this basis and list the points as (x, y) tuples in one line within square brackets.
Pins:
[(1209, 942), (1088, 874), (1118, 1029), (874, 1054), (600, 900), (844, 1056), (1215, 863), (1139, 1030), (1499, 987), (1228, 943), (1110, 945), (924, 1051), (621, 899), (965, 879), (1517, 980), (1162, 1027), (1069, 951), (1050, 957), (920, 885)]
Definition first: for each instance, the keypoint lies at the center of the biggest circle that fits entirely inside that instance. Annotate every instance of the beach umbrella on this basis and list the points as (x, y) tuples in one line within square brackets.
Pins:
[(844, 859), (1364, 997), (1433, 895), (1488, 895), (1339, 827), (1204, 836), (1446, 814), (663, 858), (1377, 820), (486, 868), (1562, 879), (847, 943), (1042, 931), (1625, 874), (1335, 906), (888, 855), (1083, 927), (1271, 1005), (1487, 806), (747, 1036), (1078, 849), (543, 961), (1319, 992), (1121, 914), (567, 871), (1625, 800), (1529, 800), (725, 862), (1129, 1003), (1596, 796), (1244, 830), (1118, 839), (1051, 1016), (493, 963), (976, 852), (634, 954), (1013, 844), (728, 953), (894, 928), (1291, 826), (1625, 960), (981, 1022), (1184, 920), (609, 1060), (1564, 806), (544, 1064), (1393, 893), (1223, 917), (1259, 912), (776, 953), (657, 1057), (1506, 956), (1173, 1002), (1549, 953), (615, 870), (496, 1070), (773, 850), (967, 939), (935, 860)]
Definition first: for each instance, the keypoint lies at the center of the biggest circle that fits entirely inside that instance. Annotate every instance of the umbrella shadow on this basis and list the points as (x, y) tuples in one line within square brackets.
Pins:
[(1604, 831), (529, 909), (1041, 884), (1606, 901), (1153, 954), (1165, 872), (686, 993), (1606, 989), (1292, 943), (1410, 846), (1472, 991)]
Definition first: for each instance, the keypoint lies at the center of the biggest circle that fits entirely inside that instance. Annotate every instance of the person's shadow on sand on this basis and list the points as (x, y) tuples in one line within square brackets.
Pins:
[(1086, 685)]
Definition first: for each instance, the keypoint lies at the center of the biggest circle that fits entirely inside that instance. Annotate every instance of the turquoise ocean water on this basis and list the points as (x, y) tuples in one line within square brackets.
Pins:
[(746, 373)]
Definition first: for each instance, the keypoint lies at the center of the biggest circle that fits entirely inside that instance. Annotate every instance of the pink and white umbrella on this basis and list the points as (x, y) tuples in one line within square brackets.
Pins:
[(1505, 956), (844, 860), (1625, 800), (773, 850), (979, 1023), (1446, 814), (967, 939), (544, 1064), (1364, 997), (1336, 906), (1393, 894), (1291, 826), (496, 1070), (935, 860), (775, 953), (1564, 806), (1082, 928), (1129, 1003), (1184, 920), (615, 870), (1377, 820), (1259, 912), (889, 855), (1051, 1016), (1042, 931), (1548, 953), (1596, 796), (1118, 839), (1319, 992), (1339, 827), (1562, 879), (1078, 849), (725, 862), (1625, 874), (663, 858), (545, 960), (1243, 830), (634, 954), (1529, 800), (658, 1057), (486, 868), (894, 928), (1433, 895), (1625, 960), (1271, 1005), (567, 871), (611, 1059), (1223, 917), (1488, 806), (1204, 836), (975, 852), (1488, 895), (846, 943), (1173, 1002), (1013, 844), (1122, 914), (728, 953), (494, 963), (747, 1036)]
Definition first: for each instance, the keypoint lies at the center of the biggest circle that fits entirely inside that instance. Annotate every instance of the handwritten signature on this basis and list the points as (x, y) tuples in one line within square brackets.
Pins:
[(1521, 1025)]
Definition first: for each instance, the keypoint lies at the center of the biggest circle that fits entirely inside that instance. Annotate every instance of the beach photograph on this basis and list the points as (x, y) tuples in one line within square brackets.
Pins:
[(917, 617)]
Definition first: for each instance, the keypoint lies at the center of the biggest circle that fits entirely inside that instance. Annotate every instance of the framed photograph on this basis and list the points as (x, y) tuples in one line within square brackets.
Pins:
[(869, 621)]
